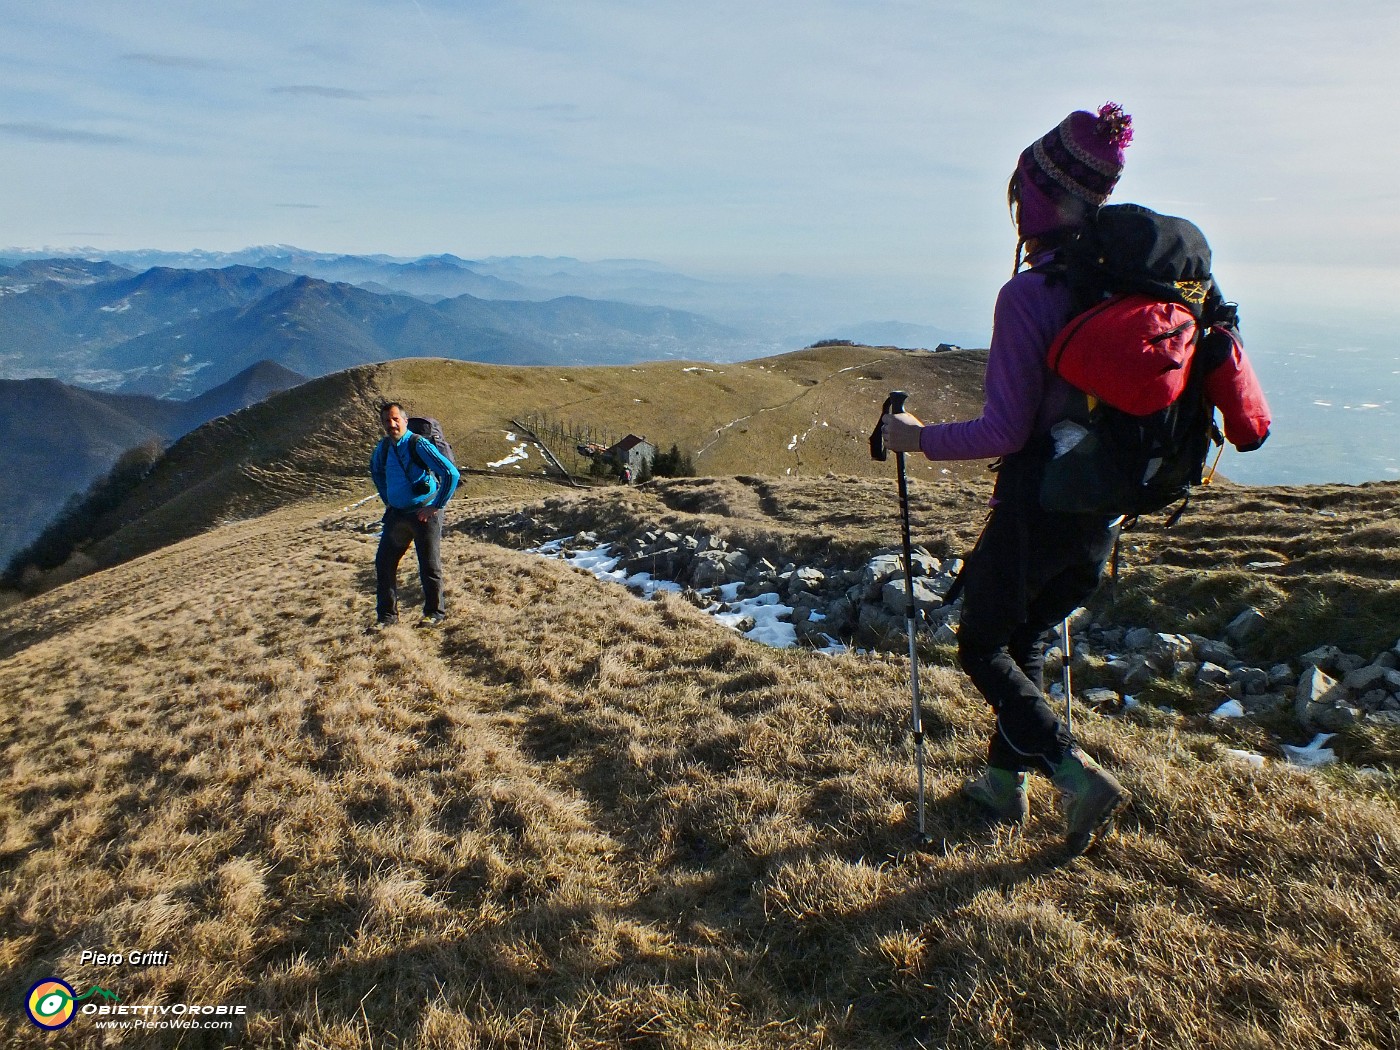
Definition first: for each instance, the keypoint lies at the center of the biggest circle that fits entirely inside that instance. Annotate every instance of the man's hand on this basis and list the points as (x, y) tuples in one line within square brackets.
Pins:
[(902, 432), (426, 514)]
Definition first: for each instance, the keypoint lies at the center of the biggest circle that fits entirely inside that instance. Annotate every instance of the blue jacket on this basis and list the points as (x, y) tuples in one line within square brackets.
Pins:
[(395, 472)]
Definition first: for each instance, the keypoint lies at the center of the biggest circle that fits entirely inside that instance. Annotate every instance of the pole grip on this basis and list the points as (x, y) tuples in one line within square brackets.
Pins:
[(894, 404)]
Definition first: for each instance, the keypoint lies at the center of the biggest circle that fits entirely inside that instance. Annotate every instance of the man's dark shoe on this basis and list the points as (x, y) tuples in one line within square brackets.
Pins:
[(431, 620), (380, 624)]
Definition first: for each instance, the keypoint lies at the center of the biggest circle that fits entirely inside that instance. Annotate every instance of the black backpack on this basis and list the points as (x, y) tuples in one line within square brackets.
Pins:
[(1109, 461)]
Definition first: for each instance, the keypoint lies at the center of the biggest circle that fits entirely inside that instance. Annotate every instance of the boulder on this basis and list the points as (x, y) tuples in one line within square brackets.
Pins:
[(945, 635), (1215, 652), (893, 595), (877, 572), (1323, 703), (1213, 675), (1323, 657), (713, 567), (1245, 626), (1348, 662), (1253, 681), (805, 581), (1133, 671), (1139, 638), (1374, 700), (1365, 678)]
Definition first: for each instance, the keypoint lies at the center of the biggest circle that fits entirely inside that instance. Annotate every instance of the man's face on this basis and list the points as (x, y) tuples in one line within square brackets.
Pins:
[(394, 422)]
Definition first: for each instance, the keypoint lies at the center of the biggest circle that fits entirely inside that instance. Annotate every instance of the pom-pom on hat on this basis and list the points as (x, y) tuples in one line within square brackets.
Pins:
[(1076, 164)]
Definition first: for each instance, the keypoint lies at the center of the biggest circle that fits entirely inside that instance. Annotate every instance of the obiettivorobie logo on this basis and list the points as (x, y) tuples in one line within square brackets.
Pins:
[(51, 1003)]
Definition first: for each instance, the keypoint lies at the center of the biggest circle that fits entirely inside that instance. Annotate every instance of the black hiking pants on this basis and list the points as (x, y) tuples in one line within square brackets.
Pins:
[(1030, 569), (401, 528)]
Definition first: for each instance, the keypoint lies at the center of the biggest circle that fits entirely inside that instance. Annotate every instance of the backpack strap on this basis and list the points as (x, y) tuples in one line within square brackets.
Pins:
[(415, 455)]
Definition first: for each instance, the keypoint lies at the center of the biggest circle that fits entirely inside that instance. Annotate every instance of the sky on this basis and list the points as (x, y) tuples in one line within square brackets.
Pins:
[(861, 141)]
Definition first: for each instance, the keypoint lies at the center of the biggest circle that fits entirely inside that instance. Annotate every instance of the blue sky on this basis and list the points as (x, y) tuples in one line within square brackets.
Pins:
[(868, 141)]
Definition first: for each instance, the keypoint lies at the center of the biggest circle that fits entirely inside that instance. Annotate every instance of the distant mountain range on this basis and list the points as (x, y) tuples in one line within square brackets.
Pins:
[(59, 438), (773, 314), (175, 332)]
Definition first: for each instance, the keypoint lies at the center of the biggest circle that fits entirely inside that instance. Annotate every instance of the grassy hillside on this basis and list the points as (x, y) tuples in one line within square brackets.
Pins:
[(801, 414), (573, 819)]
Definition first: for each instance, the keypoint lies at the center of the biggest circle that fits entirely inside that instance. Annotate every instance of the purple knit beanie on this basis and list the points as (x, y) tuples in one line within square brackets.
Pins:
[(1076, 164)]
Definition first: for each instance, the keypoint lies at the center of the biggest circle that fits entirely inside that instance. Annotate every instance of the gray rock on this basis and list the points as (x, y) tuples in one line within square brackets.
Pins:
[(879, 570), (1169, 648), (1213, 675), (838, 616), (805, 581), (874, 620), (1215, 652), (1392, 681), (943, 582), (1364, 678), (1373, 700), (663, 562), (1263, 704), (1100, 697), (1245, 626), (1322, 702), (1323, 656), (1110, 637), (1253, 681), (1139, 638), (1280, 674), (1132, 671), (713, 567), (1348, 662), (945, 635), (1335, 719), (1384, 718), (893, 595)]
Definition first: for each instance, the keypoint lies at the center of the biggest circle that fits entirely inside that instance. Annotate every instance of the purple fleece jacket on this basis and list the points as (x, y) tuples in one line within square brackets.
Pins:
[(1023, 396)]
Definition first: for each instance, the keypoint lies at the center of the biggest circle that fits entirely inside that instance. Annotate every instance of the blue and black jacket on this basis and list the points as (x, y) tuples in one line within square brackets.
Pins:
[(411, 473)]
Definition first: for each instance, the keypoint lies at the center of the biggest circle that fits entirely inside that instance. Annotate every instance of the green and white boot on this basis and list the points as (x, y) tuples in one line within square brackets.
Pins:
[(1002, 793), (1091, 798)]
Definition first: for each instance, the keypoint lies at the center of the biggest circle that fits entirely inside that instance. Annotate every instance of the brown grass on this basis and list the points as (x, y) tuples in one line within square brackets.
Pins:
[(799, 415), (572, 819)]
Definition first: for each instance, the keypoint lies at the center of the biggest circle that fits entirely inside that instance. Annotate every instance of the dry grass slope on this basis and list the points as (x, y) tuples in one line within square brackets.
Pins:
[(802, 414), (571, 819)]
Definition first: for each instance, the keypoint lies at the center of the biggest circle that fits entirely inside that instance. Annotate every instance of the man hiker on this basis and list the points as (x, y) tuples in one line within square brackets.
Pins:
[(1031, 567), (415, 481)]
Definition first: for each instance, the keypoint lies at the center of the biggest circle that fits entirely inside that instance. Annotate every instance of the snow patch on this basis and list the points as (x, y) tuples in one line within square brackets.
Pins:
[(1312, 755), (516, 455), (772, 619)]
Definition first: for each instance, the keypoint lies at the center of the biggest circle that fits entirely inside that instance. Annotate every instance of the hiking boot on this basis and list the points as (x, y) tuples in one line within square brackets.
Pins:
[(431, 620), (381, 623), (1002, 793), (1091, 799)]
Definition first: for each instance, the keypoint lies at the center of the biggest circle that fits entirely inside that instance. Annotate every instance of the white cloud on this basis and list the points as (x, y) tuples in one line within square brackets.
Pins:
[(820, 136)]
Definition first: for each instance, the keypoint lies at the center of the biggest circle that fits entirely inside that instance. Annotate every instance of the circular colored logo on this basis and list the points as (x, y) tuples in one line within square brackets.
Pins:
[(50, 1003)]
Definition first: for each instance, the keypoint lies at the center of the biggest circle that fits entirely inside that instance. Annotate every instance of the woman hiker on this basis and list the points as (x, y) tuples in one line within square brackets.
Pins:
[(1031, 568)]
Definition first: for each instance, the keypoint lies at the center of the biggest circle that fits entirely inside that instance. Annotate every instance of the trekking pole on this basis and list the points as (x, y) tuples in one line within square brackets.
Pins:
[(894, 404), (1069, 701)]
